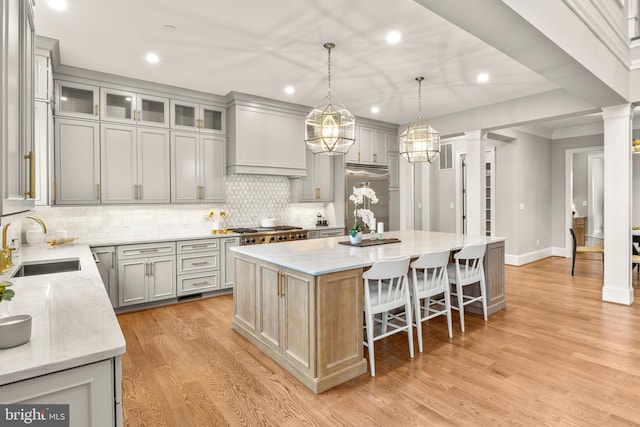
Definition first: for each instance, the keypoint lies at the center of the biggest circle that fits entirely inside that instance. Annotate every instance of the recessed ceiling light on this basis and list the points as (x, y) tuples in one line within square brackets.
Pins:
[(169, 27), (57, 4), (393, 37), (482, 78), (289, 90), (375, 109), (152, 58)]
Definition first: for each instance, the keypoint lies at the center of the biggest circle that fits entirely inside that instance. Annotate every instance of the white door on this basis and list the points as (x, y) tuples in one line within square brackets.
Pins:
[(380, 145), (41, 78), (185, 187), (366, 145), (212, 168), (154, 167), (228, 260), (77, 160), (162, 278), (119, 164)]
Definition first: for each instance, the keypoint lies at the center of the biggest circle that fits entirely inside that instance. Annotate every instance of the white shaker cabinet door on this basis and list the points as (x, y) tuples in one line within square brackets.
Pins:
[(132, 281), (162, 278), (77, 158), (212, 168), (185, 187), (118, 160), (323, 174), (154, 166)]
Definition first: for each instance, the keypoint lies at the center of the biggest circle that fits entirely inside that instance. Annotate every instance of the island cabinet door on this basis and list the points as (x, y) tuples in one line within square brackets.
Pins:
[(269, 291), (298, 320), (245, 293)]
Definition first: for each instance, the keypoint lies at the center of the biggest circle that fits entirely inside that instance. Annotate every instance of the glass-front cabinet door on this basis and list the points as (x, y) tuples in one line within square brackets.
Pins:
[(117, 105), (193, 116), (184, 115), (77, 100), (211, 119), (152, 111)]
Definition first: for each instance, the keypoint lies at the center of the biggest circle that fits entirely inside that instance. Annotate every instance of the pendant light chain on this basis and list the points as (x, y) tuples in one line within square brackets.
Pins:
[(329, 46), (419, 79)]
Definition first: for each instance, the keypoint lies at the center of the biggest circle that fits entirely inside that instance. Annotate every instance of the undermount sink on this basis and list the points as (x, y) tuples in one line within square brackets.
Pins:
[(47, 267)]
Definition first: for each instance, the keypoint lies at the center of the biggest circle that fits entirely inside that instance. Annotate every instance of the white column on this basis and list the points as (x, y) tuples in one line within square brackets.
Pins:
[(476, 186), (617, 207)]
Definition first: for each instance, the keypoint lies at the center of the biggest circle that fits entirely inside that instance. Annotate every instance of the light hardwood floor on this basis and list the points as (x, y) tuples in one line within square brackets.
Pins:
[(557, 355)]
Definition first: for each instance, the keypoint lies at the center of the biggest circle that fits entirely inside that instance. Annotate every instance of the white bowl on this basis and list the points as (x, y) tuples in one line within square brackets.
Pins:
[(34, 236), (15, 330), (268, 222)]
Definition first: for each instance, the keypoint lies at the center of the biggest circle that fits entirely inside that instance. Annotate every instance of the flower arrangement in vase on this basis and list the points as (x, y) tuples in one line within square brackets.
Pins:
[(366, 215)]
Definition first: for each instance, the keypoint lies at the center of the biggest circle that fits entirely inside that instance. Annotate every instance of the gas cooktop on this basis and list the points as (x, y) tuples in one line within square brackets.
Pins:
[(265, 229)]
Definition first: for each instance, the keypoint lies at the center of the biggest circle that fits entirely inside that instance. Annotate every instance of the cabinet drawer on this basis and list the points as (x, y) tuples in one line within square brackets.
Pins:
[(199, 262), (195, 283), (146, 250), (204, 245)]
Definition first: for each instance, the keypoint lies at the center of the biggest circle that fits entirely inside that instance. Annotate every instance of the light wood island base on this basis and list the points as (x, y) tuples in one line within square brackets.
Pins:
[(310, 325)]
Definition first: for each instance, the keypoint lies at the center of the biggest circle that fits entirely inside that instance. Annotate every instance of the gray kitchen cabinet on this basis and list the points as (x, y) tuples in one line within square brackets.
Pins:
[(146, 273), (77, 162), (329, 232), (77, 100), (228, 272), (394, 209), (133, 108), (17, 106), (41, 78), (198, 266), (93, 393), (370, 148), (135, 164), (317, 186), (197, 167), (42, 124), (105, 258), (193, 116), (266, 137)]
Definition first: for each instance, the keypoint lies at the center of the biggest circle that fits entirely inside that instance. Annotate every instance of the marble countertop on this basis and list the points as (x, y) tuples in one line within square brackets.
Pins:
[(73, 321), (115, 240), (322, 256)]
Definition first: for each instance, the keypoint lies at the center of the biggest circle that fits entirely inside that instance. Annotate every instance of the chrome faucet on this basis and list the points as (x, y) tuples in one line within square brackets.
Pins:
[(5, 255)]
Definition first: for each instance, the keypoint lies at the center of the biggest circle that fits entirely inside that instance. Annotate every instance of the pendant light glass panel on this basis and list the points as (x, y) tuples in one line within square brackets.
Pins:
[(420, 142), (330, 129)]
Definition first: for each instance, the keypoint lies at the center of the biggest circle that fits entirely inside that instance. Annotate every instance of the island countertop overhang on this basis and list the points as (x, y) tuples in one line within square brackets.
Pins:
[(323, 256)]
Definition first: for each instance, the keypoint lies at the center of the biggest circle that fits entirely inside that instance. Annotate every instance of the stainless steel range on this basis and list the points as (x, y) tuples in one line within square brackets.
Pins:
[(261, 235)]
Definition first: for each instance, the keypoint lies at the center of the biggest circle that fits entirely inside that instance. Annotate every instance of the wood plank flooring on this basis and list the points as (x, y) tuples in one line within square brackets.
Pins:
[(557, 355)]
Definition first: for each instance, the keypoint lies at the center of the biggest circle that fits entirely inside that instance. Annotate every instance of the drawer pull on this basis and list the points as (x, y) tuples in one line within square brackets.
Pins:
[(200, 263), (197, 246), (148, 250), (200, 283)]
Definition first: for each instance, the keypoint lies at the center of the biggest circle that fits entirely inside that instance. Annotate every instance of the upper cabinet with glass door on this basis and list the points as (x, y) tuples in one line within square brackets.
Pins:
[(200, 117), (132, 108), (77, 100)]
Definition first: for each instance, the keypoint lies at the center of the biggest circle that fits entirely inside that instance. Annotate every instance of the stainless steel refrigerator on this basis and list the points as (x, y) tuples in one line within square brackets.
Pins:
[(378, 179)]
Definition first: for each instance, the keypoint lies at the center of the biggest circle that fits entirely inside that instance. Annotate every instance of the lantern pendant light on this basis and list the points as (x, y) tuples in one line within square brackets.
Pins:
[(330, 129), (420, 142)]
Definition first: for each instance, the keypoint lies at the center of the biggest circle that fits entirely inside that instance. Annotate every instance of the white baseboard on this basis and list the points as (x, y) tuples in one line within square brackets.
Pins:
[(518, 260)]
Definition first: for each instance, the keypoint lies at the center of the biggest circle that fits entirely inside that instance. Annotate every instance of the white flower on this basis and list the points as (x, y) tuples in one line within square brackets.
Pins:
[(357, 197), (367, 217)]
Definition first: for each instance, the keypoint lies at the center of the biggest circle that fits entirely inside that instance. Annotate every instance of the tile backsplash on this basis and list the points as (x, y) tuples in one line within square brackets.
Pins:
[(248, 199)]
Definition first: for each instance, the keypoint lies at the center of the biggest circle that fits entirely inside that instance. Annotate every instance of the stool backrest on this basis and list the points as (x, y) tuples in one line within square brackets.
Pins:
[(434, 265), (469, 263), (386, 283)]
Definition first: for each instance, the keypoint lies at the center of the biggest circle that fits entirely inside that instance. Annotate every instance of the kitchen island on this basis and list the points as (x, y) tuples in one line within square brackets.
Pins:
[(301, 302), (73, 356)]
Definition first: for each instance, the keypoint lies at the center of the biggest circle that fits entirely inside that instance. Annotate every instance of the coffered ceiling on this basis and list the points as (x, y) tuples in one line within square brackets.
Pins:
[(259, 47)]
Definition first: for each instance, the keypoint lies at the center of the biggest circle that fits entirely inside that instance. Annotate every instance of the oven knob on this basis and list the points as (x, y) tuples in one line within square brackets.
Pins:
[(262, 240), (253, 240), (247, 241), (271, 239)]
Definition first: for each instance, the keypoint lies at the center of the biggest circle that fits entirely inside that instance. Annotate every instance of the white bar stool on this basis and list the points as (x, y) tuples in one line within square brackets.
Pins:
[(468, 270)]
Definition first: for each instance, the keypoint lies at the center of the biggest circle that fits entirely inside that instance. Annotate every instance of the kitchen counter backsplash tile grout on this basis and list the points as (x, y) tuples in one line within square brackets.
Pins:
[(248, 199)]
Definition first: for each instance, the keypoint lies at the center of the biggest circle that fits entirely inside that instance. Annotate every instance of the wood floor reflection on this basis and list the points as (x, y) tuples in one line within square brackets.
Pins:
[(557, 355)]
